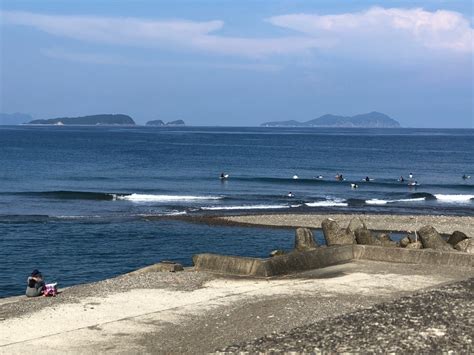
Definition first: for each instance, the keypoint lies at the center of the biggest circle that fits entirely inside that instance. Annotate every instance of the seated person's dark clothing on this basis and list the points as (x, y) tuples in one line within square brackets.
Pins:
[(35, 288)]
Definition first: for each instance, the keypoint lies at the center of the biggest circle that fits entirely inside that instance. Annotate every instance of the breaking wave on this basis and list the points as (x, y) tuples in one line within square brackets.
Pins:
[(454, 198), (328, 203), (164, 198), (376, 201)]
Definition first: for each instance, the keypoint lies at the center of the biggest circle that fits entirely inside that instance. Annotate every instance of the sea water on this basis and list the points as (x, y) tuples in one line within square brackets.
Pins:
[(83, 203)]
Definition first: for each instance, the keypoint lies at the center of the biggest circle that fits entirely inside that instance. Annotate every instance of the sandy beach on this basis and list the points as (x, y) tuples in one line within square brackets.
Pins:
[(402, 223)]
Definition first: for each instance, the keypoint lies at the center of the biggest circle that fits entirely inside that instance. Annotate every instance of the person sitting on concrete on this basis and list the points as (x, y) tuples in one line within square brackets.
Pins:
[(35, 285)]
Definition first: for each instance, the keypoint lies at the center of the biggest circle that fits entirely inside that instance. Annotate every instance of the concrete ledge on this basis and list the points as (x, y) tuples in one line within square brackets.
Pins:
[(278, 265), (307, 260), (234, 265), (413, 256)]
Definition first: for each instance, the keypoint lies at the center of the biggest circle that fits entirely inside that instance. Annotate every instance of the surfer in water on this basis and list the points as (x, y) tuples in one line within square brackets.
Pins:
[(339, 177), (401, 179), (410, 175), (354, 186), (367, 179), (465, 177), (290, 194), (223, 176)]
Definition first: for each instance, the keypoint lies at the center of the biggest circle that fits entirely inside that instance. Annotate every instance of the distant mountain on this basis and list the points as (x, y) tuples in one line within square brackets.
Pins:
[(366, 120), (161, 123), (106, 119), (14, 118)]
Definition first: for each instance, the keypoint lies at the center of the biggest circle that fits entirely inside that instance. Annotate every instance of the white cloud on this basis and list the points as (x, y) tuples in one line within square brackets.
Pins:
[(179, 34), (376, 31), (446, 30)]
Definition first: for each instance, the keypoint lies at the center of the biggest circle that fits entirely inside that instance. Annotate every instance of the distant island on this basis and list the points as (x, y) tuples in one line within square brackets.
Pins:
[(366, 120), (160, 123), (106, 119), (14, 118)]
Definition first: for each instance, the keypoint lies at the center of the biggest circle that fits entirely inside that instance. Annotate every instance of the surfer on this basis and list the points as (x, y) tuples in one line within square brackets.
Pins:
[(401, 179), (339, 177), (354, 186), (295, 177), (223, 176), (319, 177), (465, 177), (290, 194), (367, 179), (410, 176)]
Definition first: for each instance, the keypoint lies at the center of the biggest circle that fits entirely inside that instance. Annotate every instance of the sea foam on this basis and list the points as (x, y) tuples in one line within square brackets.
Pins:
[(454, 198), (376, 201), (327, 203), (164, 198)]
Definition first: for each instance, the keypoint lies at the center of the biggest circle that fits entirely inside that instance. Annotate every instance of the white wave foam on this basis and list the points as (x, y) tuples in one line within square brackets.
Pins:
[(376, 201), (174, 213), (411, 199), (248, 207), (164, 198), (328, 203), (454, 198)]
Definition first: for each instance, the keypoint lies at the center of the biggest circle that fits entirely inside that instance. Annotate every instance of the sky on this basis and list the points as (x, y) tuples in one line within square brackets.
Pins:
[(239, 63)]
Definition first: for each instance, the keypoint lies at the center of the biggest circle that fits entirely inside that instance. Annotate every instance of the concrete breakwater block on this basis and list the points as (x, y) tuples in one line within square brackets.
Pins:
[(289, 263), (304, 239), (164, 266)]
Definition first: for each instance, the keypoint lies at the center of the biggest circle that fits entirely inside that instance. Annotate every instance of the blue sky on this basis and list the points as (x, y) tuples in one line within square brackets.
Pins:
[(239, 63)]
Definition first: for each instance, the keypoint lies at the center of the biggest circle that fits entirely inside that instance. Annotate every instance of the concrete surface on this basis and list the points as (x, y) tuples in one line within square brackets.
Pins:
[(296, 261), (174, 313)]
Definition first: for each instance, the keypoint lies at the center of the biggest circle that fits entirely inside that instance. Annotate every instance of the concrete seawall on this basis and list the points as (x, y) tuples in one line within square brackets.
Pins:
[(413, 256), (294, 261)]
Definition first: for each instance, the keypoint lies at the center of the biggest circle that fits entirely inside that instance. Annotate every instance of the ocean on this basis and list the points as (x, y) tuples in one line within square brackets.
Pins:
[(76, 202)]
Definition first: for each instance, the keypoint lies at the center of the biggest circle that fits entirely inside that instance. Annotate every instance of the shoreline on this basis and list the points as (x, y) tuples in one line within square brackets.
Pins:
[(200, 312), (379, 222)]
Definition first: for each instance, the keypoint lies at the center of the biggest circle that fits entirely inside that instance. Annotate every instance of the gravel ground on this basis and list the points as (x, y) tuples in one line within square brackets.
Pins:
[(180, 281), (434, 321), (444, 224)]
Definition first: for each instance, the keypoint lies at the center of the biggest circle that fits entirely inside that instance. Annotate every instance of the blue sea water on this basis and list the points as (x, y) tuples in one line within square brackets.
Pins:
[(76, 201)]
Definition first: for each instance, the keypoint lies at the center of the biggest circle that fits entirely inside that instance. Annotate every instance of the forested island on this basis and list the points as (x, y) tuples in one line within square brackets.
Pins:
[(105, 119), (366, 120)]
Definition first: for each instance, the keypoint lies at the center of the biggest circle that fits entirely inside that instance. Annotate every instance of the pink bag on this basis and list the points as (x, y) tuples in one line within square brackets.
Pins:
[(50, 290)]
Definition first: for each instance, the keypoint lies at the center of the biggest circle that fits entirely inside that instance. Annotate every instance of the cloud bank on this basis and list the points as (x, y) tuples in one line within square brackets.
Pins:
[(376, 28), (440, 29), (177, 34)]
